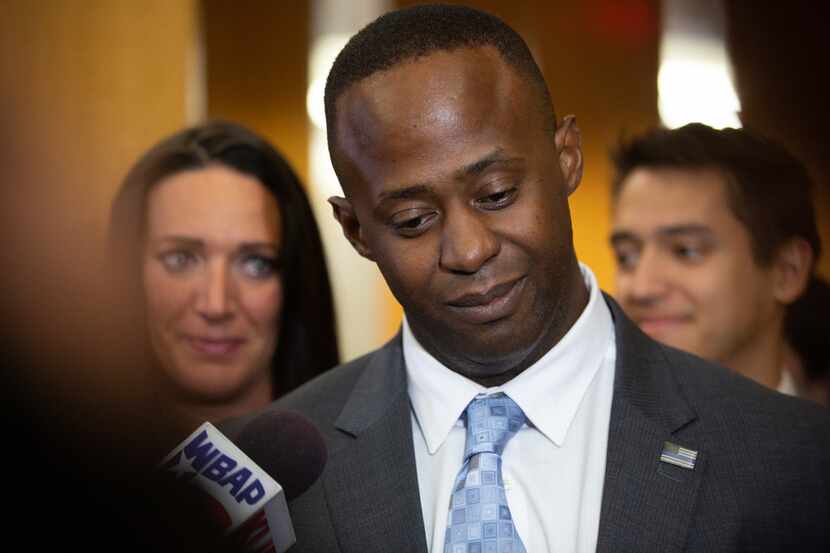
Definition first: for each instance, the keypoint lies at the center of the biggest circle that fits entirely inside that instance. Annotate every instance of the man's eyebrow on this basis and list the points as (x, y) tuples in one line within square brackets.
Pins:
[(668, 231), (684, 229), (477, 167), (405, 193), (472, 169), (619, 236)]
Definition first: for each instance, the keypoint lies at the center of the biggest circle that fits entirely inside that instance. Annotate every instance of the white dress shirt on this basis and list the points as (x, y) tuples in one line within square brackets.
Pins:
[(787, 384), (554, 467)]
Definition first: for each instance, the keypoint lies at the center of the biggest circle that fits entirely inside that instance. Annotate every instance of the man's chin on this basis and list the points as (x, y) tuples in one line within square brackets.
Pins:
[(484, 348)]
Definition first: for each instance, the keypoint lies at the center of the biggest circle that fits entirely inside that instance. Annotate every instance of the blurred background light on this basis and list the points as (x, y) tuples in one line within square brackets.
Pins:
[(323, 51), (364, 306), (694, 81)]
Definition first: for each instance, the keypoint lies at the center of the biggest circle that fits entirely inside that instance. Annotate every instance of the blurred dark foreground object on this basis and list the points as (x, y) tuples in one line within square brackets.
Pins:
[(807, 332)]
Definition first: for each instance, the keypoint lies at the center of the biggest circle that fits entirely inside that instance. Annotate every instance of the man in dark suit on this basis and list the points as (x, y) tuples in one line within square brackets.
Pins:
[(518, 409)]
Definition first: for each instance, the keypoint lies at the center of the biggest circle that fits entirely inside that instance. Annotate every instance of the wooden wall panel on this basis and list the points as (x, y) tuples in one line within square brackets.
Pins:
[(87, 86), (257, 58)]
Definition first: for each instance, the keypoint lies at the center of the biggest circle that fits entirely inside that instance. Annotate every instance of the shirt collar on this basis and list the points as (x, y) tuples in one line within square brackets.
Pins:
[(438, 395), (549, 392), (787, 384)]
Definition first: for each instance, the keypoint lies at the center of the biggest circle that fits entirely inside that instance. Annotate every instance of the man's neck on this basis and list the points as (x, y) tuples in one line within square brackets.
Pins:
[(502, 371), (762, 360)]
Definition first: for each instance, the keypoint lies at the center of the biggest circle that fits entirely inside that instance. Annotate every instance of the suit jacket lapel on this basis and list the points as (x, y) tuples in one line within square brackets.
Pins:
[(371, 483), (647, 504)]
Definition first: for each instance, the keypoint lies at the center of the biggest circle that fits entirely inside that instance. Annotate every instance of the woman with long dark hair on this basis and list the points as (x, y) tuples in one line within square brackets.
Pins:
[(215, 235)]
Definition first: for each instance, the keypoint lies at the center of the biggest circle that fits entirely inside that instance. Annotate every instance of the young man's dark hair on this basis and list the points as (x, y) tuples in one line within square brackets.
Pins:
[(768, 189)]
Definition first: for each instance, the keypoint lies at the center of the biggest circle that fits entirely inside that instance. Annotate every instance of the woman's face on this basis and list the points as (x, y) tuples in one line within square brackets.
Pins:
[(212, 290)]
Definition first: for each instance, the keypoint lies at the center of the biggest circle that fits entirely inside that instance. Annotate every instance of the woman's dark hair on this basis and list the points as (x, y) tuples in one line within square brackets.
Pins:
[(307, 344)]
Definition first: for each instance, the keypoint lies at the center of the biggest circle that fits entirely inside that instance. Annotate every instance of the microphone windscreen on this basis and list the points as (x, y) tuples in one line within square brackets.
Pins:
[(288, 447)]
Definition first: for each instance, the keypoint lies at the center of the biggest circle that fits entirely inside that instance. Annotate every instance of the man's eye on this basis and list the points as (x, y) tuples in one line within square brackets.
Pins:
[(178, 261), (413, 225), (498, 200), (258, 266), (687, 253), (626, 260)]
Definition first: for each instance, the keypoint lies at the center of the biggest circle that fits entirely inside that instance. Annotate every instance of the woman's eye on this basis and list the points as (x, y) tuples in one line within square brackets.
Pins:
[(259, 266), (177, 261)]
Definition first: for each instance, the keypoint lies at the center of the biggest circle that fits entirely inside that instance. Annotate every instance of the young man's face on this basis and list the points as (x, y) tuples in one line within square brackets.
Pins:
[(456, 191), (685, 269)]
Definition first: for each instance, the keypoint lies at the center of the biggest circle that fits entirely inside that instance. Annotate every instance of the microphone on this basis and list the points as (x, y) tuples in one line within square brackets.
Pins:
[(244, 498), (287, 445)]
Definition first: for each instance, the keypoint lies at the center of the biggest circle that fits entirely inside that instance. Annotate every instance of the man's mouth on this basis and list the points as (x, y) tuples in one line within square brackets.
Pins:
[(489, 304), (657, 325)]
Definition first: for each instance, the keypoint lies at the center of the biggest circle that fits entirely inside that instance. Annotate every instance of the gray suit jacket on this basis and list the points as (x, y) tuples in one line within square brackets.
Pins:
[(761, 481)]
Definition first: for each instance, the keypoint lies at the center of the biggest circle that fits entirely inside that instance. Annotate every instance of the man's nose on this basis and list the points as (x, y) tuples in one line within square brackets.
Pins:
[(215, 296), (467, 242), (647, 282)]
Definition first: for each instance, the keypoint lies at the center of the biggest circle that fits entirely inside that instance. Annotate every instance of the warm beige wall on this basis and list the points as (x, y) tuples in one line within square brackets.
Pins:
[(100, 80), (607, 77), (89, 85), (783, 91), (257, 58)]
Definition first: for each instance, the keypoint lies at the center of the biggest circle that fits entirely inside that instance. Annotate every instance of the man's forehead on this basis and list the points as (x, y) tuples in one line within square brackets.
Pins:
[(437, 88), (660, 198), (676, 186)]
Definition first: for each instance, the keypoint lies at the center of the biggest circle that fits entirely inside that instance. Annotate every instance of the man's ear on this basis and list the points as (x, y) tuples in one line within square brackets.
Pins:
[(569, 149), (346, 216), (792, 267)]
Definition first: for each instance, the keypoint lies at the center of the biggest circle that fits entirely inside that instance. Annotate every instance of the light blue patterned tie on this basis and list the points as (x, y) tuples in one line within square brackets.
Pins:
[(479, 520)]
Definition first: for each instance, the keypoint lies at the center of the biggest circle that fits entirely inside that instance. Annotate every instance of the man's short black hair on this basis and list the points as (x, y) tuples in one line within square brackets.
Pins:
[(768, 189), (411, 33)]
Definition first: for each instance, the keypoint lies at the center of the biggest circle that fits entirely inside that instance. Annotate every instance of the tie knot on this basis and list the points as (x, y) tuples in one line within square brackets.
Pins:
[(491, 422)]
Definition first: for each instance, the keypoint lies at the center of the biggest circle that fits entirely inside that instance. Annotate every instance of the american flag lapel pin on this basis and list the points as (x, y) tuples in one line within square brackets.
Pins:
[(674, 454)]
